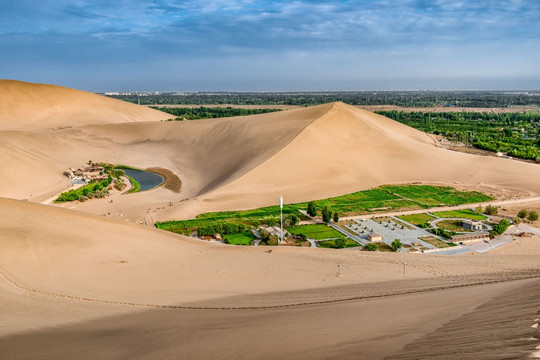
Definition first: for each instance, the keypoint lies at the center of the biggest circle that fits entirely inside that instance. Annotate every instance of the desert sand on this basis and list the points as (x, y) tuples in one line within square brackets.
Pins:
[(77, 282)]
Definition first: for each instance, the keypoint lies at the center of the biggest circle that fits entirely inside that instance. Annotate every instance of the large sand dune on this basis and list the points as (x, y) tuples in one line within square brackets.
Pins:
[(76, 285), (29, 106)]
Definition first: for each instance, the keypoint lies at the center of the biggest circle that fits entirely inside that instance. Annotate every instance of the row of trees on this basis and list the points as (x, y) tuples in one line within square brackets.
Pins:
[(517, 134), (402, 98), (326, 212)]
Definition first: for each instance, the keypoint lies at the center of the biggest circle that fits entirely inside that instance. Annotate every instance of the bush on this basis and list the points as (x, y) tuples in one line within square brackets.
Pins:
[(533, 216), (271, 222), (336, 217), (396, 245), (83, 198), (370, 247), (492, 210), (479, 209), (263, 234), (312, 208), (500, 227), (272, 240), (517, 220), (255, 224), (522, 213), (303, 237), (340, 243), (326, 214)]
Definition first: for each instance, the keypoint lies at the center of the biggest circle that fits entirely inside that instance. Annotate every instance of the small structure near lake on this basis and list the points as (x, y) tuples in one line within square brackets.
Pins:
[(86, 174)]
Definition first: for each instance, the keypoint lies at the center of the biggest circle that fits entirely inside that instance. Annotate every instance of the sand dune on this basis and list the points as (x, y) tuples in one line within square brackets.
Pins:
[(93, 278), (29, 106)]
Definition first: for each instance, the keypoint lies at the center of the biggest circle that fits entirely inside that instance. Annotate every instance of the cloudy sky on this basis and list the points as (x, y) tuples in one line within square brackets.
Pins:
[(272, 45)]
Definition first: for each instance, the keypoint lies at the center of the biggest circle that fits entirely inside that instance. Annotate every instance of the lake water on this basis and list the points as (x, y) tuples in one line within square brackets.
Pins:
[(148, 180)]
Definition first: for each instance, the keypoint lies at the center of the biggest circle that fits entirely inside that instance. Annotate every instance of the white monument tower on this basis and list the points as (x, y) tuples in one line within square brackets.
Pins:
[(281, 216)]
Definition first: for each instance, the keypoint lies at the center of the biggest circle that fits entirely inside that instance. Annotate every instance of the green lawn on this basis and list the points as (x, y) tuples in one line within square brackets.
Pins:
[(417, 219), (316, 232), (466, 214), (243, 238), (452, 225), (332, 244)]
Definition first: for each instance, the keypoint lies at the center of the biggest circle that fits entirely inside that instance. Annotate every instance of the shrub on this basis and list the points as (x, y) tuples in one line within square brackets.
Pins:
[(500, 227), (533, 216), (255, 224), (271, 222), (479, 209), (340, 243), (312, 208), (370, 247), (517, 220), (326, 214), (272, 240), (336, 217), (83, 198), (303, 237), (396, 245), (492, 210), (522, 213), (263, 234)]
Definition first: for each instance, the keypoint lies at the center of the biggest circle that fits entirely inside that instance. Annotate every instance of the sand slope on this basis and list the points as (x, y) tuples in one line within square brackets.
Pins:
[(26, 105)]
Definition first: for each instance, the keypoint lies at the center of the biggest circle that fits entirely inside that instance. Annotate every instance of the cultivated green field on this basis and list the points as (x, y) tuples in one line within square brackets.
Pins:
[(382, 199), (243, 238), (466, 214), (417, 219), (316, 232)]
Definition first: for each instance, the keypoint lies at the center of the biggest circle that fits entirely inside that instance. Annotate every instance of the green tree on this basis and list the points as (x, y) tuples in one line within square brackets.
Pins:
[(479, 209), (522, 213), (396, 245), (336, 217), (312, 208), (326, 214), (533, 216), (340, 243)]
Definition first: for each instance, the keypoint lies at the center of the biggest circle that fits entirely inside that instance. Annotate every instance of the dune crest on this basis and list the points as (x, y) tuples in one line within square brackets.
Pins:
[(26, 105)]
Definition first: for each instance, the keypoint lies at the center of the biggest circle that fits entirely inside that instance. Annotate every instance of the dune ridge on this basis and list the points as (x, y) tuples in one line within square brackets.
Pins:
[(26, 105)]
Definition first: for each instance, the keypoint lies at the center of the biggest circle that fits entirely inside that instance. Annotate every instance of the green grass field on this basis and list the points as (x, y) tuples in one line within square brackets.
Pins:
[(332, 244), (452, 225), (316, 232), (243, 238), (466, 214), (381, 199), (417, 219)]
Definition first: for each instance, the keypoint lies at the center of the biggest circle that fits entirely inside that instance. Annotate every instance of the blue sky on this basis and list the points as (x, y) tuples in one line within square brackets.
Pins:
[(272, 45)]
